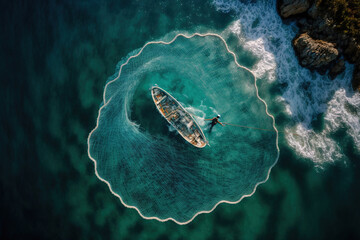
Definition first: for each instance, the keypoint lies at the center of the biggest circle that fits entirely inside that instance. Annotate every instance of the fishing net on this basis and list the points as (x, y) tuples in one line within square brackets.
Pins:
[(148, 165)]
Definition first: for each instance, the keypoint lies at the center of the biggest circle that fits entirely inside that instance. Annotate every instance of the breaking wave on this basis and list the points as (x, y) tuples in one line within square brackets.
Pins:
[(306, 97)]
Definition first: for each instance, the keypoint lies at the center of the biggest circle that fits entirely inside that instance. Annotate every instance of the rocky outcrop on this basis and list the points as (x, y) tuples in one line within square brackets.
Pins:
[(313, 11), (328, 34), (337, 68), (352, 51), (293, 7), (314, 54)]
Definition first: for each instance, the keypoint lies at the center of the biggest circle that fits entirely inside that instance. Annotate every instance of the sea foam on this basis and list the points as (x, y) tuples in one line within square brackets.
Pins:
[(305, 95)]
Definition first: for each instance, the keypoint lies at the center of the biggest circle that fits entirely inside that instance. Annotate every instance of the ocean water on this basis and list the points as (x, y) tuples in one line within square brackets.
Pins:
[(154, 170), (56, 57)]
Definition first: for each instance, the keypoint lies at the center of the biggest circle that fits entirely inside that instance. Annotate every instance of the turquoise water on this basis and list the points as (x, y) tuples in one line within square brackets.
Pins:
[(151, 167), (56, 59)]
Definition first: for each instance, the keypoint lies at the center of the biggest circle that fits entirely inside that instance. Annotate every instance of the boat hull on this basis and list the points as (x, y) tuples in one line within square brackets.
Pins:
[(178, 117)]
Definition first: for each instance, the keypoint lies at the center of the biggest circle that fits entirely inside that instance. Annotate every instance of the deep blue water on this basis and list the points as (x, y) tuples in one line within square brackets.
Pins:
[(56, 57)]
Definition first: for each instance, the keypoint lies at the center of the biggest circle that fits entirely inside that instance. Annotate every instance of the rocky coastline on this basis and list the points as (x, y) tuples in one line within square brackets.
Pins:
[(329, 34)]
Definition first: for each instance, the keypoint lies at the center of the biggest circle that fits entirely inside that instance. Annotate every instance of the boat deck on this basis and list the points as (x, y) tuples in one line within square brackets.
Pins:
[(178, 117)]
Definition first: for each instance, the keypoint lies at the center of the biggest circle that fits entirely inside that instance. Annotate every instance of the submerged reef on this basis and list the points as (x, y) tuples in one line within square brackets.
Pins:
[(329, 33)]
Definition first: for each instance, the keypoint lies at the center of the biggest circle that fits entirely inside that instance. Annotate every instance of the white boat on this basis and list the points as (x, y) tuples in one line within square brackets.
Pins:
[(178, 117)]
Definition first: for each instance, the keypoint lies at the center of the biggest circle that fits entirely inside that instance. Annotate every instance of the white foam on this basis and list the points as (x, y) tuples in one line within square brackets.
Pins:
[(262, 32), (267, 65), (235, 28), (198, 114), (344, 111), (316, 146), (171, 128), (282, 101)]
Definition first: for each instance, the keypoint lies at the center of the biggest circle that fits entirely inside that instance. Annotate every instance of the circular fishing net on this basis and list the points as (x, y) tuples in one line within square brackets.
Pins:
[(147, 163)]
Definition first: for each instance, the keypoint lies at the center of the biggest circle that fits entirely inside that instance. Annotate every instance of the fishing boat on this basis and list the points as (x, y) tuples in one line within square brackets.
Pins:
[(178, 117)]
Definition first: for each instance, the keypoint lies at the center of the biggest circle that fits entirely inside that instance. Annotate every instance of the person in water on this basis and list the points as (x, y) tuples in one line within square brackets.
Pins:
[(214, 121)]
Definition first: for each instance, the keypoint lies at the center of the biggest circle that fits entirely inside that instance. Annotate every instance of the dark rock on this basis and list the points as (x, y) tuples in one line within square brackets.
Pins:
[(352, 51), (293, 7), (337, 68), (303, 23), (328, 22), (313, 11), (314, 54), (322, 28)]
